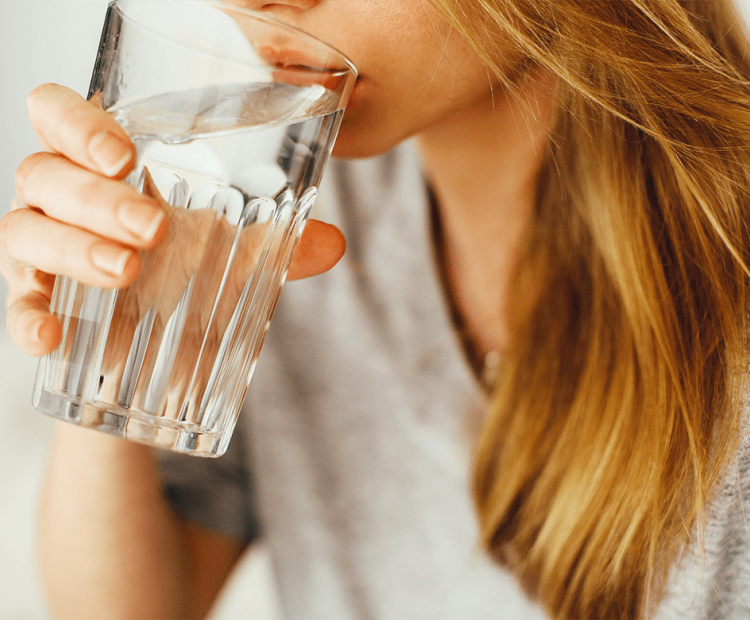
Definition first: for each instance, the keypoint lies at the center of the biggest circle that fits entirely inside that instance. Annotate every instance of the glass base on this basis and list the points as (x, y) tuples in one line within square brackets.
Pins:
[(135, 426)]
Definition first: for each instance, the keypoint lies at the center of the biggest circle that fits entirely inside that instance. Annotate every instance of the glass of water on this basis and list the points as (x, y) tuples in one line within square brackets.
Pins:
[(234, 117)]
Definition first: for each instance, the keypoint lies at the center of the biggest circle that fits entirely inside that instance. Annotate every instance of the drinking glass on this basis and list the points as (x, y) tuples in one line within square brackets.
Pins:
[(233, 116)]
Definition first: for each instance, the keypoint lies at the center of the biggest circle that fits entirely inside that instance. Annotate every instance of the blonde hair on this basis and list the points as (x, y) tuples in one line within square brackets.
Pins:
[(617, 407)]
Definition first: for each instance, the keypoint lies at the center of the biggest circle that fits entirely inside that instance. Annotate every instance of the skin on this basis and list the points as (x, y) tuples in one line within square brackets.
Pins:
[(71, 215), (443, 94)]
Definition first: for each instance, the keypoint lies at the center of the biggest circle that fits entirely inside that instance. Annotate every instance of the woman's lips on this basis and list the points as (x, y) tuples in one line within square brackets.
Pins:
[(297, 68), (288, 58)]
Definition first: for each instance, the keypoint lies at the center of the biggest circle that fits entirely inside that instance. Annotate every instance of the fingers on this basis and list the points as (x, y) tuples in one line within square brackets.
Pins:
[(66, 123), (80, 224), (68, 193), (30, 238), (320, 248), (31, 326)]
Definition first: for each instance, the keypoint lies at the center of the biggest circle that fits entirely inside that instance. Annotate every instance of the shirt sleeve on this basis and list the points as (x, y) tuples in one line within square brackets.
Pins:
[(216, 493)]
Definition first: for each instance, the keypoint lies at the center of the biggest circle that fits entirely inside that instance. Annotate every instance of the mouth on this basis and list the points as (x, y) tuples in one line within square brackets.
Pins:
[(285, 58), (299, 69)]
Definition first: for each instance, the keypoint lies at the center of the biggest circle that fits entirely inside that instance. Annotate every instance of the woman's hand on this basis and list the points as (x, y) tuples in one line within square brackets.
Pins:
[(73, 216)]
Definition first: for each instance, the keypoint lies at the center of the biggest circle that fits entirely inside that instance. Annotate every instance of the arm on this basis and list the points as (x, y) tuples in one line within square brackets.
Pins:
[(111, 547)]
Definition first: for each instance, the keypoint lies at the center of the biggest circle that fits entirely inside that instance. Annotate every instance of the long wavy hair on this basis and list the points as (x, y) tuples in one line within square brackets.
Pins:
[(618, 403)]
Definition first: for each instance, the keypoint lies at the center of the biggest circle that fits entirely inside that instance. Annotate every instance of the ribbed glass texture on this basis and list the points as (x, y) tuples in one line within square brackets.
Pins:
[(234, 159)]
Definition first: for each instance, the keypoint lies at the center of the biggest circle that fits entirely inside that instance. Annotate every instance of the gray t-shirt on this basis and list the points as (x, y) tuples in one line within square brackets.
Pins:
[(353, 447)]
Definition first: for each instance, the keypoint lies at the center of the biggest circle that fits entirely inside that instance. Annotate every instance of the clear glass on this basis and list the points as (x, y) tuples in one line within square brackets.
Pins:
[(234, 117)]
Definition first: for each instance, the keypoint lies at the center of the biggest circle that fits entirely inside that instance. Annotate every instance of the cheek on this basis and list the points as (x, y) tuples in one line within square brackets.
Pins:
[(413, 73), (381, 114)]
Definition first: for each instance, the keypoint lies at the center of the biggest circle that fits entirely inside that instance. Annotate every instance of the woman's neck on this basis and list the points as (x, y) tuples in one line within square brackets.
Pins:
[(483, 164)]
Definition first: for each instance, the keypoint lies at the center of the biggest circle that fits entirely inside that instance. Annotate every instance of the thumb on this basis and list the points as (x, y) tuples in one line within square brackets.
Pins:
[(320, 248)]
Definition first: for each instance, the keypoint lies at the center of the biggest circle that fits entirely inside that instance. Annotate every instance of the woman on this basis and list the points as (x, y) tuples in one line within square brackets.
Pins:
[(574, 204)]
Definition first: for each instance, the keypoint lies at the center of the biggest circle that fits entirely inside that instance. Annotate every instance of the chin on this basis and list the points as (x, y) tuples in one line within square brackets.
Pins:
[(358, 140), (348, 149)]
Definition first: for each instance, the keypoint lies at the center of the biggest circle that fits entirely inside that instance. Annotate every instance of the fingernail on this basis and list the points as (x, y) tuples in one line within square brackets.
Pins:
[(142, 220), (110, 259), (109, 153)]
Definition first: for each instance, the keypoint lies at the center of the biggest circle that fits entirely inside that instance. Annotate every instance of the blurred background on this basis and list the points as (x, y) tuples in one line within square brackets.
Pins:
[(43, 41)]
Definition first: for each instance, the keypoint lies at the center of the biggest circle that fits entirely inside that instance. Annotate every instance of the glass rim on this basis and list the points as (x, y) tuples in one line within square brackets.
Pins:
[(255, 15)]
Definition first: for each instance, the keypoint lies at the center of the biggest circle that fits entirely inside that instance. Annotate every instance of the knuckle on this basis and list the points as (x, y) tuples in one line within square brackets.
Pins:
[(18, 322), (10, 319), (25, 170), (11, 315), (8, 227), (38, 94)]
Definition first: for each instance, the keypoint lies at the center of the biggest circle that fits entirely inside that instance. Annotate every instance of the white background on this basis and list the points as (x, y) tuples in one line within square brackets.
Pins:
[(56, 41)]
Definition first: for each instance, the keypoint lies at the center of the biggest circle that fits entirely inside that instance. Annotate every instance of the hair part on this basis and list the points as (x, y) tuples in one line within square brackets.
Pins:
[(618, 405)]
